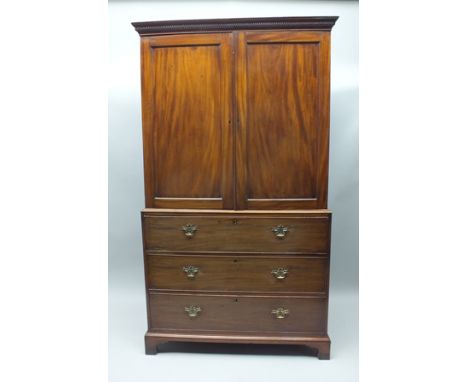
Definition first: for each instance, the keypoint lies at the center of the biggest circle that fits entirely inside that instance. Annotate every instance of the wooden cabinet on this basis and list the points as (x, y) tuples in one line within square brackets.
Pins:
[(236, 229)]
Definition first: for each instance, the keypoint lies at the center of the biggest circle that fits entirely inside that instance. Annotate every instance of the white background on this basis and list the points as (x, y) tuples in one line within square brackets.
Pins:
[(53, 160)]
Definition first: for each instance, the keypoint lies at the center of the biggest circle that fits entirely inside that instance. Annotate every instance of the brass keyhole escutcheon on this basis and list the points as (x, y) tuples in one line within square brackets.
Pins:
[(189, 230)]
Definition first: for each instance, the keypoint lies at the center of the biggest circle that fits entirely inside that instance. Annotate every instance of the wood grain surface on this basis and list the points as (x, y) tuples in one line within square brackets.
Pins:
[(238, 313), (187, 122), (310, 235), (238, 273), (282, 138)]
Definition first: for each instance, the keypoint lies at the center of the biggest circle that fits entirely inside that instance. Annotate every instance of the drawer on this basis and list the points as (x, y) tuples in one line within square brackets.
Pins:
[(237, 313), (233, 233), (237, 273)]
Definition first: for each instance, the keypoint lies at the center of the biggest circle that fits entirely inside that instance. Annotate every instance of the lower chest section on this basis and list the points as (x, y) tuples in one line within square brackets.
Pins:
[(218, 272)]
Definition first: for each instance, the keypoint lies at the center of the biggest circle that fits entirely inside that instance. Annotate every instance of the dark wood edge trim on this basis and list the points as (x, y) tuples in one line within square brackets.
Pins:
[(324, 23), (241, 293), (292, 295), (151, 252), (327, 308), (294, 200), (187, 199), (293, 339), (246, 217), (186, 45), (253, 255), (210, 332), (181, 211), (145, 267)]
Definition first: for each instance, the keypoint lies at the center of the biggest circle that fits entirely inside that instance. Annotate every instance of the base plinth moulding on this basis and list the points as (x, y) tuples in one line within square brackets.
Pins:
[(320, 344)]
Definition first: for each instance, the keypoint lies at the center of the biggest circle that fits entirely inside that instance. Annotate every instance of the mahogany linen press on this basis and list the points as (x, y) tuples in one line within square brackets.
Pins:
[(236, 230)]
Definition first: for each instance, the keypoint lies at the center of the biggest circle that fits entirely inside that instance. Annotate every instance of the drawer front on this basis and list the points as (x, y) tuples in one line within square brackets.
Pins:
[(237, 313), (237, 234), (237, 273)]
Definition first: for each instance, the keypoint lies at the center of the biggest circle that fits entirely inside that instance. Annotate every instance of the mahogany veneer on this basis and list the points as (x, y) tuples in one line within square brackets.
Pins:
[(233, 313), (236, 230), (308, 233), (238, 273)]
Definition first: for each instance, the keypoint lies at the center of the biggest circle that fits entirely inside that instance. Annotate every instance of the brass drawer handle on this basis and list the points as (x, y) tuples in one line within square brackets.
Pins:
[(190, 271), (280, 312), (192, 310), (280, 273), (189, 230), (280, 231)]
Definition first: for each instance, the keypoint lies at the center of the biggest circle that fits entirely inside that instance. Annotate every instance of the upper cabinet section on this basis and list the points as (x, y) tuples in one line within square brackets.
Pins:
[(236, 112)]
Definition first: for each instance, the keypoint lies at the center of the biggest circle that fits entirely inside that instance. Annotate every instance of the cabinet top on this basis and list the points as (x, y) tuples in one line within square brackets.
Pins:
[(324, 23)]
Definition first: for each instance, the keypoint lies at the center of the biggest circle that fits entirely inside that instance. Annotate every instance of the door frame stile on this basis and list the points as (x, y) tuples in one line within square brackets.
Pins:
[(240, 100)]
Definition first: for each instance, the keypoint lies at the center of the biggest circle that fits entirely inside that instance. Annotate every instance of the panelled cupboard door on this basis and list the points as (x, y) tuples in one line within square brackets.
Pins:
[(187, 130), (282, 98)]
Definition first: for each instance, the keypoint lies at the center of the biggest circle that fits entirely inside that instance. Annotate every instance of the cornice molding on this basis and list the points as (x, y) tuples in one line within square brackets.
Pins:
[(145, 28)]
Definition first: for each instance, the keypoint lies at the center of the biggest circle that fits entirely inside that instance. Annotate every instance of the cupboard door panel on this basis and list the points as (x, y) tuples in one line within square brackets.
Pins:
[(282, 97), (187, 121)]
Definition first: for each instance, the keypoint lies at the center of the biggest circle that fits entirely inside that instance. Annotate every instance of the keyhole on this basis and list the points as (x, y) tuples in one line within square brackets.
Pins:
[(235, 300)]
